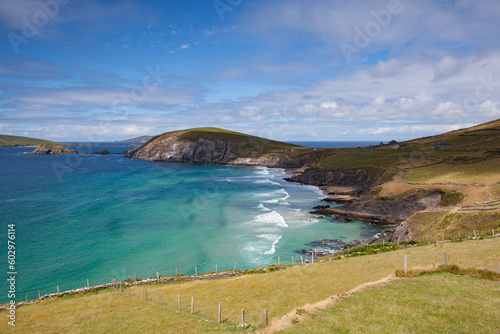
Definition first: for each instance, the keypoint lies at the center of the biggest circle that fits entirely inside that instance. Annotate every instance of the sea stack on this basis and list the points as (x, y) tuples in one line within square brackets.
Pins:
[(48, 148)]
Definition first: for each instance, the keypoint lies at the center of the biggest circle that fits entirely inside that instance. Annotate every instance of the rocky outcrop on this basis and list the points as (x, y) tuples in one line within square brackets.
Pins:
[(103, 151), (47, 148), (359, 180), (383, 212), (174, 148)]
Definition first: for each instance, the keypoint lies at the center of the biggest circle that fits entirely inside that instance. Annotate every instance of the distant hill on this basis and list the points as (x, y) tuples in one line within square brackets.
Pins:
[(12, 141), (138, 140)]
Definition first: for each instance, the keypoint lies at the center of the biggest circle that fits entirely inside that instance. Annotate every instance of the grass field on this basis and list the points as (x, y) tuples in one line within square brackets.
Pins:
[(8, 141), (485, 172), (494, 192), (429, 225), (280, 292), (438, 303)]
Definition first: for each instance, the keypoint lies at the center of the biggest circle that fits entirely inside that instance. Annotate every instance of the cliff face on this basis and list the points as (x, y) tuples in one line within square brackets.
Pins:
[(383, 212), (177, 149), (48, 148), (360, 180)]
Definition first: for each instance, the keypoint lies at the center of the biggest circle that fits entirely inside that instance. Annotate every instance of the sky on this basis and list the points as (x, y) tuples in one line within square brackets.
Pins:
[(290, 70)]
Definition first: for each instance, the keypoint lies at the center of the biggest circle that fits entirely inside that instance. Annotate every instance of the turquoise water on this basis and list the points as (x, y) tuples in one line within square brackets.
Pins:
[(99, 217)]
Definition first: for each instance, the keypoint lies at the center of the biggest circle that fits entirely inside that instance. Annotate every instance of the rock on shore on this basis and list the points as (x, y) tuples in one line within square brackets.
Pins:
[(48, 148), (383, 212)]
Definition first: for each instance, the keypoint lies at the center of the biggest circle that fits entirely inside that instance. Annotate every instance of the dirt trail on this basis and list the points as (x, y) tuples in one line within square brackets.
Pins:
[(307, 311)]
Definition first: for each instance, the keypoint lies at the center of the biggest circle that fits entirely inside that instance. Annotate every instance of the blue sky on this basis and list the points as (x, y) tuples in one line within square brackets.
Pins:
[(284, 69)]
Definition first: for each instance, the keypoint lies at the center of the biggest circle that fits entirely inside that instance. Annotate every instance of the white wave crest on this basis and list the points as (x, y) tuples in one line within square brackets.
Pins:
[(263, 208), (271, 218), (267, 181), (271, 237)]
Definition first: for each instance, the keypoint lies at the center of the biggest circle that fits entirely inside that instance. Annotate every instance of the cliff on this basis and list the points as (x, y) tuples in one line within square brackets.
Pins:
[(385, 212), (358, 179), (211, 145), (49, 148)]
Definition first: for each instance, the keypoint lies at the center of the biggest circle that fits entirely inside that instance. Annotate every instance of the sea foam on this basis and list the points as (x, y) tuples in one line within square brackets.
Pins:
[(271, 218), (263, 208), (271, 237)]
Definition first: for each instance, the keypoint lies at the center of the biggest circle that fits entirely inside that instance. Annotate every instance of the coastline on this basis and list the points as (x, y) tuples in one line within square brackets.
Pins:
[(342, 195)]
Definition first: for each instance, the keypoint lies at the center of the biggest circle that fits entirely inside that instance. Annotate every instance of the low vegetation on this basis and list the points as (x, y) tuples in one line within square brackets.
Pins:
[(434, 303), (12, 141), (280, 292), (431, 225)]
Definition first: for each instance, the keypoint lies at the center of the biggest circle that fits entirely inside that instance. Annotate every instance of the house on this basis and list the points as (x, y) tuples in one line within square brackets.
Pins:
[(442, 144)]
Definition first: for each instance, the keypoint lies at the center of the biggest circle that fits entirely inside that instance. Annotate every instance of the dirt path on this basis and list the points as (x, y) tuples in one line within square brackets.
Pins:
[(305, 313)]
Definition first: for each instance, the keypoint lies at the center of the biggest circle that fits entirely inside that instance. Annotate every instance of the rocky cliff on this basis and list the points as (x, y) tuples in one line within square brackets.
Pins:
[(48, 148), (359, 179), (384, 212), (176, 148)]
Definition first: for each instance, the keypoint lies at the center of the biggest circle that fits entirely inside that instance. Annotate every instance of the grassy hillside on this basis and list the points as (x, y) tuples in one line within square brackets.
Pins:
[(281, 292), (141, 139), (10, 141), (468, 146), (244, 144), (439, 303)]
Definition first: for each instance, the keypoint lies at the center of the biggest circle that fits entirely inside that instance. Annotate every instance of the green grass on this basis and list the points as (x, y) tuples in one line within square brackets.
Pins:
[(484, 172), (280, 292), (10, 141), (438, 303), (429, 225), (495, 192)]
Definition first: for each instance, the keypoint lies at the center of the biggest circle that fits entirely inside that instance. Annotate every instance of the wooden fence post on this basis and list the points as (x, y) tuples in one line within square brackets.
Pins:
[(157, 276), (88, 285), (256, 266), (146, 294), (58, 289), (160, 299), (219, 315), (475, 235), (444, 259), (301, 260), (26, 297), (39, 295), (266, 318), (179, 301), (195, 271), (216, 272), (312, 257), (243, 317), (406, 263), (192, 305), (293, 262), (234, 266)]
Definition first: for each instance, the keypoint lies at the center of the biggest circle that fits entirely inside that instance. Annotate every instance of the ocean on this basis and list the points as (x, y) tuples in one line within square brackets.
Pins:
[(99, 217)]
